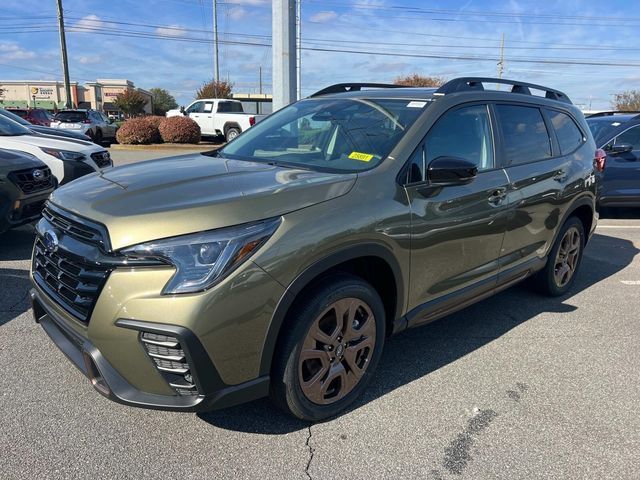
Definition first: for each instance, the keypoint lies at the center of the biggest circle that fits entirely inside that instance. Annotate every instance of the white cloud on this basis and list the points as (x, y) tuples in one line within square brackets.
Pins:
[(248, 2), (12, 51), (90, 21), (89, 59), (237, 13), (172, 31), (323, 16)]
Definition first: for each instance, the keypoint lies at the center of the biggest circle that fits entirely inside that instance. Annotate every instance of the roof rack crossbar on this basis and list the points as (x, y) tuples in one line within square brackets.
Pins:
[(475, 83), (353, 87)]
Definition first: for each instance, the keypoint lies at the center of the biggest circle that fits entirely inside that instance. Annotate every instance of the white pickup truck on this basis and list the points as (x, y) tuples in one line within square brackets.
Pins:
[(217, 117)]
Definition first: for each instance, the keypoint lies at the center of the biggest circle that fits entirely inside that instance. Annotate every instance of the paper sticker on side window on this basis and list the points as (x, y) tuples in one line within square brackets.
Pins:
[(363, 157), (416, 104)]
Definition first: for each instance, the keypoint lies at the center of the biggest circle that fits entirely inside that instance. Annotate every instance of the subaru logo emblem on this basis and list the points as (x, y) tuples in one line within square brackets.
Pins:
[(50, 240), (37, 175)]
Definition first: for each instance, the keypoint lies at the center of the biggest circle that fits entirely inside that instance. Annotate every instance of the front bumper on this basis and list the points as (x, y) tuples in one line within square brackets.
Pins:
[(213, 392), (28, 210)]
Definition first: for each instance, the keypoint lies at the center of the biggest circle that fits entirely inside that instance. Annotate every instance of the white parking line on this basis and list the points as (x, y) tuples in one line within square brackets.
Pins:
[(618, 226), (630, 282)]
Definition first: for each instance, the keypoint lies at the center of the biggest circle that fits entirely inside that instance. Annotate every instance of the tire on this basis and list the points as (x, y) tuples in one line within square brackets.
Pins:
[(553, 281), (318, 387), (97, 137), (231, 134)]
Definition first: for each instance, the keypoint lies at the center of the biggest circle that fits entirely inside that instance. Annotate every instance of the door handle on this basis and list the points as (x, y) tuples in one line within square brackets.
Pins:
[(497, 196), (560, 176)]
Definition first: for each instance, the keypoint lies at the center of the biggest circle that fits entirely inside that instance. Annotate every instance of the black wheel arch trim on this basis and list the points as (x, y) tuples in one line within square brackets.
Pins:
[(584, 200), (314, 271), (230, 125)]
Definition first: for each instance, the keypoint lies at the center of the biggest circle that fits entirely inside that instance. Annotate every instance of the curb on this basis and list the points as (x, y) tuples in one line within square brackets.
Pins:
[(168, 146)]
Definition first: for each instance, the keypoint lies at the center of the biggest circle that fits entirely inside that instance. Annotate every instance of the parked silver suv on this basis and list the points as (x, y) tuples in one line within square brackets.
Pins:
[(92, 123)]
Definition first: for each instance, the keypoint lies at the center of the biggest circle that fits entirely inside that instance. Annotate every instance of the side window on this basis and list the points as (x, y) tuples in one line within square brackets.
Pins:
[(195, 108), (464, 133), (229, 107), (569, 135), (631, 137), (524, 134), (208, 107)]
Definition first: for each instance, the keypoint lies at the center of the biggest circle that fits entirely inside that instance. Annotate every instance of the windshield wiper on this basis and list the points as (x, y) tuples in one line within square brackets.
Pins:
[(293, 166)]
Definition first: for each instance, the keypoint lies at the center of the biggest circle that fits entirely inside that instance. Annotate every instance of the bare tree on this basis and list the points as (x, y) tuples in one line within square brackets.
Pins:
[(417, 80), (627, 101)]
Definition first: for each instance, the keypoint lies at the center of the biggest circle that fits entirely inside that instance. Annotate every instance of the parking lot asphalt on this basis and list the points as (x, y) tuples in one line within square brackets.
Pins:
[(516, 386)]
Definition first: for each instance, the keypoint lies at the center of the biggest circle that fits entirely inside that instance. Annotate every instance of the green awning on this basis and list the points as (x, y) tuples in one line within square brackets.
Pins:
[(14, 104)]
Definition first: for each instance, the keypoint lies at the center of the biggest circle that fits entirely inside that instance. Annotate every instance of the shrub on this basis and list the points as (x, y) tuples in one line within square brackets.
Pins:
[(140, 130), (179, 130), (155, 120)]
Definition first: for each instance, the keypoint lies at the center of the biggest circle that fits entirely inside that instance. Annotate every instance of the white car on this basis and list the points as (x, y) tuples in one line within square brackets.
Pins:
[(217, 117), (68, 159)]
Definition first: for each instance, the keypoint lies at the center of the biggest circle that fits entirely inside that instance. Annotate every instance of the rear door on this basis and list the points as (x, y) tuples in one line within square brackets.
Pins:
[(622, 173), (456, 231), (538, 176)]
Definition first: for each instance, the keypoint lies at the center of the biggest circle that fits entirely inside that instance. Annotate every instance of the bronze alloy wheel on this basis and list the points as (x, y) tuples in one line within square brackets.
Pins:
[(336, 351), (567, 257)]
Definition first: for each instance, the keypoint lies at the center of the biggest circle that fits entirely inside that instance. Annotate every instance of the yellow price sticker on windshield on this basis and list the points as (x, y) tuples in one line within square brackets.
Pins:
[(363, 157)]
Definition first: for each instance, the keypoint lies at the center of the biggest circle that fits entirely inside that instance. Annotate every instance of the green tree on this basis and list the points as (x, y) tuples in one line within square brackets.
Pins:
[(163, 101), (417, 80), (627, 101), (213, 89), (130, 102)]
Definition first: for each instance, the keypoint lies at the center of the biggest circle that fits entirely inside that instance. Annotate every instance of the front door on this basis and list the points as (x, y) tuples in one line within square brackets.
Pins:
[(622, 172), (456, 231), (195, 111)]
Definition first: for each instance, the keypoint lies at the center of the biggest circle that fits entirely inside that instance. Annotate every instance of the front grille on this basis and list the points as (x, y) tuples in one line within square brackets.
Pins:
[(33, 180), (74, 229), (102, 159), (68, 279), (171, 361)]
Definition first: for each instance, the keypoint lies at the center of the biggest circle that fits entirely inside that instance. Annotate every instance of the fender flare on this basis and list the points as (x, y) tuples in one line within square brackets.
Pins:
[(312, 272), (584, 200), (229, 125)]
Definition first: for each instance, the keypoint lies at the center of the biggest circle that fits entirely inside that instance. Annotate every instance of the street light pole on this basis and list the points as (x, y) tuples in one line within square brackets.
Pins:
[(65, 63), (284, 52), (216, 72)]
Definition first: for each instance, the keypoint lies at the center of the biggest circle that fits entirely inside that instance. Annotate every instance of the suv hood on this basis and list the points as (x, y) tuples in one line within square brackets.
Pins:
[(193, 193), (13, 160), (48, 141)]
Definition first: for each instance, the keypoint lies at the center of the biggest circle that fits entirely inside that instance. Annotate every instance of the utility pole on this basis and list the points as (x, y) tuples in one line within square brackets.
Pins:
[(299, 49), (65, 63), (501, 62), (284, 52), (216, 72), (260, 79)]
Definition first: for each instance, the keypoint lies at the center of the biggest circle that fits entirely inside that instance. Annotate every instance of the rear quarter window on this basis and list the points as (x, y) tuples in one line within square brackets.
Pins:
[(524, 134), (568, 133)]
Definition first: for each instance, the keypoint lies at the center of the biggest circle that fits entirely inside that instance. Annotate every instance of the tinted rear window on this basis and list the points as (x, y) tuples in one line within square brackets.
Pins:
[(229, 107), (524, 134), (71, 116), (21, 113), (569, 135)]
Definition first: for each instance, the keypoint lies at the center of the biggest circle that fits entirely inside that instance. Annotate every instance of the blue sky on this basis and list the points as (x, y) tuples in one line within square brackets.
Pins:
[(386, 33)]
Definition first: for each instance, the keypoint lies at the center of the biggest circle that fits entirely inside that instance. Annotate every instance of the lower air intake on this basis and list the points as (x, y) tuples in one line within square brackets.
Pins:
[(171, 362)]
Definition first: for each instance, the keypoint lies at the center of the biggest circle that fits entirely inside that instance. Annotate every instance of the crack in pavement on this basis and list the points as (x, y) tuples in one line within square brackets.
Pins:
[(311, 452)]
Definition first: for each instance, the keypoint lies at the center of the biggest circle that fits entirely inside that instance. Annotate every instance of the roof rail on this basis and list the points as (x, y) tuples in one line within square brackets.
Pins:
[(475, 83), (353, 87), (611, 113)]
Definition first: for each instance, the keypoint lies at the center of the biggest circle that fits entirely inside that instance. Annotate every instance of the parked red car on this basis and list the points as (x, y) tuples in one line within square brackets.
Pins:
[(36, 116)]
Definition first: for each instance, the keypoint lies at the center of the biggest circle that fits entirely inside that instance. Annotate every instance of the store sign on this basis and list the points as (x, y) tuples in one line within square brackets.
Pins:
[(41, 92), (112, 94)]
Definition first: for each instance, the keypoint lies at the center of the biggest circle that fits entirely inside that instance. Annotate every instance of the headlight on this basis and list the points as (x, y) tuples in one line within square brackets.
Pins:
[(63, 154), (202, 259)]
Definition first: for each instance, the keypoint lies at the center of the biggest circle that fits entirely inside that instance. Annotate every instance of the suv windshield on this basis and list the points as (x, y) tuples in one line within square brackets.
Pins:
[(70, 116), (9, 128), (603, 127), (14, 117), (331, 134)]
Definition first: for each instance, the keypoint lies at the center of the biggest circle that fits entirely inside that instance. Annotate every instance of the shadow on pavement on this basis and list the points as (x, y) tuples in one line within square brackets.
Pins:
[(17, 244), (418, 352)]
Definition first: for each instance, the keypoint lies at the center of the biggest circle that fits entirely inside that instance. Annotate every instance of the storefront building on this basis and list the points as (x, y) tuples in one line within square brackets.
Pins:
[(50, 95)]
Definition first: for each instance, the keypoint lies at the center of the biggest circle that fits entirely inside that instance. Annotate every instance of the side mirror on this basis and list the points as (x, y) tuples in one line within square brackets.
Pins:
[(445, 170), (621, 148), (110, 120), (182, 110)]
